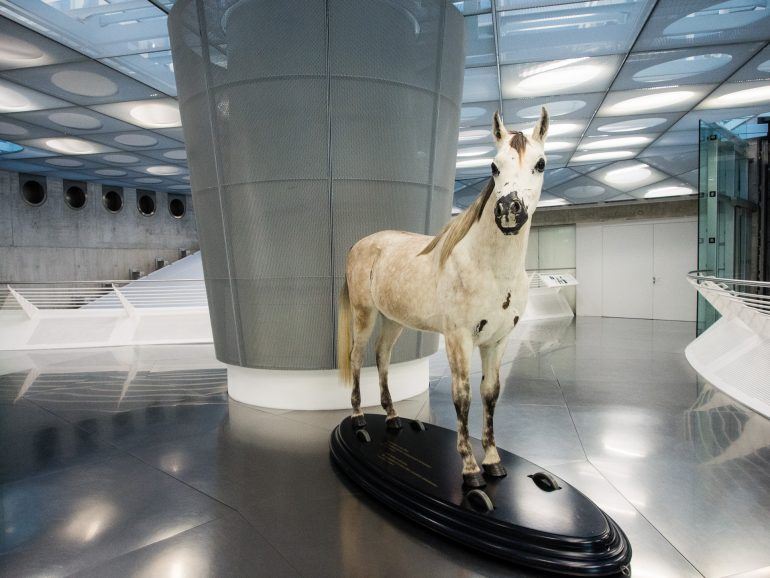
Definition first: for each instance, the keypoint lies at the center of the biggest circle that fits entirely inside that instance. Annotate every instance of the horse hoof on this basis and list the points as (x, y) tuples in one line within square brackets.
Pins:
[(474, 480), (358, 421), (393, 423), (495, 470)]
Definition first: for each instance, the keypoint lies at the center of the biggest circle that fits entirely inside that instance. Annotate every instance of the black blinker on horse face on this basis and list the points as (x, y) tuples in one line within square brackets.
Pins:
[(510, 214)]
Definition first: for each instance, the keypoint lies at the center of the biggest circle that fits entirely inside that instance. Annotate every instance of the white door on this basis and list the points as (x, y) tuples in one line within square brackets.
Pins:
[(675, 254), (627, 271)]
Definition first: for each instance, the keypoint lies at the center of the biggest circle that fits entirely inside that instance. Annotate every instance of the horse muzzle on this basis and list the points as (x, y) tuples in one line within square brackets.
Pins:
[(510, 214)]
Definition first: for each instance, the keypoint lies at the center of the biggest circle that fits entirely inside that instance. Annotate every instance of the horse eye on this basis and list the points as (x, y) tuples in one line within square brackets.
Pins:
[(495, 170), (540, 166)]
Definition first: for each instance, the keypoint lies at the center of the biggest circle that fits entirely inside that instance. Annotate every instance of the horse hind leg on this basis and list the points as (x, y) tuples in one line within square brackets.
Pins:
[(363, 325), (389, 333)]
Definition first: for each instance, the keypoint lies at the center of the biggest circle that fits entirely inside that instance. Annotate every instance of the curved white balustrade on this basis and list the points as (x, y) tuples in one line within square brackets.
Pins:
[(734, 353)]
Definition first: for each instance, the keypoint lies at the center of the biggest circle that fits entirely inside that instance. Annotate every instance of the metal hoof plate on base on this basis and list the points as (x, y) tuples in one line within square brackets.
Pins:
[(528, 517)]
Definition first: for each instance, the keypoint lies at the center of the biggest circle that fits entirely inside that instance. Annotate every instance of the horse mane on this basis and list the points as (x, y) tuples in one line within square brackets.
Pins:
[(456, 229)]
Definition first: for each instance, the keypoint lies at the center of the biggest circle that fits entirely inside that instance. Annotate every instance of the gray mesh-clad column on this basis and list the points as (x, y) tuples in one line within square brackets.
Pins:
[(310, 124)]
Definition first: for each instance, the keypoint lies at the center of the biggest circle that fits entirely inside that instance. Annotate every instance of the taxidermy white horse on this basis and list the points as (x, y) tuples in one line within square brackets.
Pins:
[(468, 282)]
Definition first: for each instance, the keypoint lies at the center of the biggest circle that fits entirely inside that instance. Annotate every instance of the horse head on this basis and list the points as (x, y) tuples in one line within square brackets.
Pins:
[(517, 171)]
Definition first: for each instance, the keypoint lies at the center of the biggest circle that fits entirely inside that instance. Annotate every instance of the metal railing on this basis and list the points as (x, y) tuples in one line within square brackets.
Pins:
[(91, 295), (733, 296)]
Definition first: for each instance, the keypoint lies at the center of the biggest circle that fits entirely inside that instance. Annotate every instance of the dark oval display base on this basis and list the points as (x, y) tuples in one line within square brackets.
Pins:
[(529, 517)]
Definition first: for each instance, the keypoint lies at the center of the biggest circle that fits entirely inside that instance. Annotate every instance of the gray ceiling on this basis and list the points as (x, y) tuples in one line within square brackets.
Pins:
[(88, 88)]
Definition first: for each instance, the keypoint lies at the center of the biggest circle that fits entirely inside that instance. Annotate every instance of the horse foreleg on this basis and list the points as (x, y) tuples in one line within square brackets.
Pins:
[(459, 348), (388, 335), (490, 391), (363, 325)]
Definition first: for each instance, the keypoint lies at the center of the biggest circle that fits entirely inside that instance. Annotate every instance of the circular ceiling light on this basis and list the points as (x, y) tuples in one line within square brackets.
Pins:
[(156, 114), (121, 159), (472, 163), (557, 145), (670, 191), (469, 135), (84, 83), (584, 191), (474, 151), (611, 143), (186, 178), (765, 66), (632, 125), (69, 163), (651, 101), (110, 172), (180, 187), (731, 14), (552, 202), (468, 113), (10, 129), (558, 108), (628, 175), (554, 80), (561, 128), (163, 170), (12, 100), (17, 51), (136, 140), (603, 156), (71, 146), (741, 97), (683, 67), (177, 154), (148, 181), (75, 120)]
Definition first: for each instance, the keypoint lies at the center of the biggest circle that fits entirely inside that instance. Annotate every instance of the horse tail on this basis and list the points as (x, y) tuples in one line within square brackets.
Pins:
[(344, 339)]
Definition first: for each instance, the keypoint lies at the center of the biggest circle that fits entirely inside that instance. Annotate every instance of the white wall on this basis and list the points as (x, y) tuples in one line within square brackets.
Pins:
[(636, 269)]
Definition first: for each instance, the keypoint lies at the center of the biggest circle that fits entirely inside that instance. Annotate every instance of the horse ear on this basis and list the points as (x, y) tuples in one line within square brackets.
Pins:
[(498, 128), (541, 128)]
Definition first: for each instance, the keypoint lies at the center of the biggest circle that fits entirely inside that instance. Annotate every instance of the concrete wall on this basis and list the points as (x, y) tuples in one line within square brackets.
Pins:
[(53, 242)]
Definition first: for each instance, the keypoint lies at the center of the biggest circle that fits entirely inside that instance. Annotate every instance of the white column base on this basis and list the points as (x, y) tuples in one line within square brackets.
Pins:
[(322, 389)]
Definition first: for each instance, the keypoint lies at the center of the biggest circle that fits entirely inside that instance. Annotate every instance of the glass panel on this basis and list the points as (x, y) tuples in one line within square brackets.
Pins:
[(95, 27), (152, 68), (479, 40)]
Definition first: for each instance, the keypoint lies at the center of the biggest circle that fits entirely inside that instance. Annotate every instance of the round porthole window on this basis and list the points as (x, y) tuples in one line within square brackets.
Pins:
[(146, 205), (75, 197), (33, 193), (176, 208), (113, 201)]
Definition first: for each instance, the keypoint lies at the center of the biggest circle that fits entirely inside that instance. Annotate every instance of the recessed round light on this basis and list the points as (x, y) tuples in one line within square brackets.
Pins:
[(683, 67), (470, 135), (69, 163), (9, 129), (121, 159), (741, 97), (552, 202), (180, 187), (186, 178), (671, 191), (584, 191), (12, 100), (731, 15), (557, 145), (136, 140), (110, 173), (148, 181), (611, 143), (472, 113), (17, 51), (474, 151), (632, 125), (176, 154), (75, 120), (764, 66), (156, 114), (653, 101), (558, 108), (163, 170), (557, 79), (84, 83), (628, 175), (71, 146), (471, 163), (603, 156)]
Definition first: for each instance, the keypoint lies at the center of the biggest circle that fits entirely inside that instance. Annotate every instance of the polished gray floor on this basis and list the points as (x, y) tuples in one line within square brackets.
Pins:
[(133, 462)]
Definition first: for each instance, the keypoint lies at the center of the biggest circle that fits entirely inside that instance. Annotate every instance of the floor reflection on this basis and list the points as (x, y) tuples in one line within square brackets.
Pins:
[(134, 462)]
